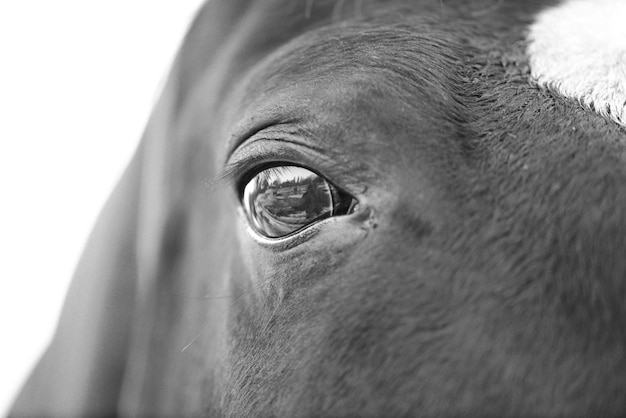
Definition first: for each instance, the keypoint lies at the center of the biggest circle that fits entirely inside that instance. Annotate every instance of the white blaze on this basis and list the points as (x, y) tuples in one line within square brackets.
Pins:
[(579, 49)]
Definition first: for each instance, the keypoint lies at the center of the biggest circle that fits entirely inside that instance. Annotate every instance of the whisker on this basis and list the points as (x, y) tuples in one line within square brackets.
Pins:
[(193, 340)]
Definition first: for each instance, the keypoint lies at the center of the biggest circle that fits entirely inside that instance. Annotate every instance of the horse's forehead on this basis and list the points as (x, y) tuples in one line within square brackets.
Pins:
[(331, 78)]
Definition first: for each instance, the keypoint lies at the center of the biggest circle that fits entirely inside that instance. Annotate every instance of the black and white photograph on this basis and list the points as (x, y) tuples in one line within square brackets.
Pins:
[(313, 208)]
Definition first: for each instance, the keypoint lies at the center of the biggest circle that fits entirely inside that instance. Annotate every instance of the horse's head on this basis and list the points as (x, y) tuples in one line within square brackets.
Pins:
[(363, 208)]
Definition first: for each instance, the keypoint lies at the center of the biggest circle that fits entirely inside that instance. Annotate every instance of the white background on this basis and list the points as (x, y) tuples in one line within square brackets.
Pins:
[(77, 82)]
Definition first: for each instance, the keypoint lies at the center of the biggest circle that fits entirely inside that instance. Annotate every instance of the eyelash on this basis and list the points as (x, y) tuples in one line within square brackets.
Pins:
[(262, 153)]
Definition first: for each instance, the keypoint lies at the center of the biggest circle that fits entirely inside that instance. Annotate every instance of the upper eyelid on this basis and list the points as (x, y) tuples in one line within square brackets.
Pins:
[(276, 145), (247, 132), (292, 151), (287, 130)]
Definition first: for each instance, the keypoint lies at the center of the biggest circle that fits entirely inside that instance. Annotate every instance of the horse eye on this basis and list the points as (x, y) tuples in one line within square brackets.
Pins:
[(281, 200)]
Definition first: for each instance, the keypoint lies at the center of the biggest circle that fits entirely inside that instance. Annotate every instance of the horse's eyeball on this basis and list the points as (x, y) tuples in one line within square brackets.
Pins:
[(284, 199)]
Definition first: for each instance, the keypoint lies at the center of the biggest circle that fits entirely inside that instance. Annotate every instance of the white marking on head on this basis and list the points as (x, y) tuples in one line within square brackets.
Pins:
[(579, 49)]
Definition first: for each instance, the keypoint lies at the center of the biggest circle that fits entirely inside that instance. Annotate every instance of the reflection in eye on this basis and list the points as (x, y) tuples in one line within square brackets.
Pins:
[(282, 200)]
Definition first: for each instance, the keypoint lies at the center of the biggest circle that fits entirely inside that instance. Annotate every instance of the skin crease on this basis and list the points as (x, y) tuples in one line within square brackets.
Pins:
[(481, 274)]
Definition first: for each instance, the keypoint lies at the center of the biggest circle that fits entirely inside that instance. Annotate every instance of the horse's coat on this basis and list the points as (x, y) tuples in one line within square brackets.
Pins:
[(482, 272), (579, 49)]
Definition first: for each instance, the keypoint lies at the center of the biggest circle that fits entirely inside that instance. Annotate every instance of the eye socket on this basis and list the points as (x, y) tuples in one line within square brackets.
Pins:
[(281, 200)]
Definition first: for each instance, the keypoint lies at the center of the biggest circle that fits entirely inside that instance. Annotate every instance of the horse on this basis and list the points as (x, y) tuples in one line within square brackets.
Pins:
[(363, 208)]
